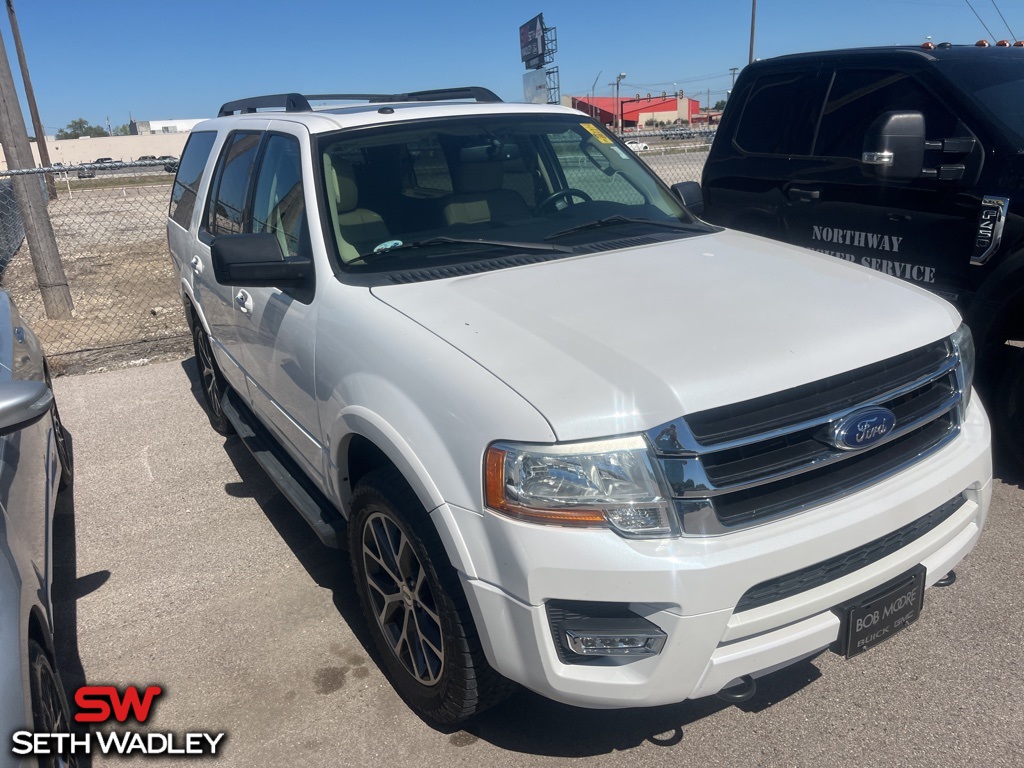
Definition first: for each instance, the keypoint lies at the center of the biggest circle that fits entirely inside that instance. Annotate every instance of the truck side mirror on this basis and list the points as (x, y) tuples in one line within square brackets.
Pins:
[(254, 260), (690, 193), (894, 146)]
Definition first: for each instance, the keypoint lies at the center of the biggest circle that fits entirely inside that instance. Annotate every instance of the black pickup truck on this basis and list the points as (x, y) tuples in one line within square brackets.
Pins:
[(907, 160)]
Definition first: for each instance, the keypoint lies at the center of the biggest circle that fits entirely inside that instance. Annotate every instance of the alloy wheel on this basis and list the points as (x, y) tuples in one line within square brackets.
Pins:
[(401, 599)]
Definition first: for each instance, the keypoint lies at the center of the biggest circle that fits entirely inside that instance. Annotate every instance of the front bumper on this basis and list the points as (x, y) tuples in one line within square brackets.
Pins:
[(690, 586)]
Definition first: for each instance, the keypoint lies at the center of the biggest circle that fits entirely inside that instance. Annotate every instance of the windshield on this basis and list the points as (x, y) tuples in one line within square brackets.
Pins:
[(481, 187), (998, 87)]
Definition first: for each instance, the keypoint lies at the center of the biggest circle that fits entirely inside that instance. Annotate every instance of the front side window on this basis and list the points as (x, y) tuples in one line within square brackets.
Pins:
[(859, 97), (190, 172), (278, 206), (226, 212), (480, 187)]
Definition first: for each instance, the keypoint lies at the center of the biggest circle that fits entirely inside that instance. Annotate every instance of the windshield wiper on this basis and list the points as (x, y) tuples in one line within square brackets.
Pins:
[(610, 221), (443, 240)]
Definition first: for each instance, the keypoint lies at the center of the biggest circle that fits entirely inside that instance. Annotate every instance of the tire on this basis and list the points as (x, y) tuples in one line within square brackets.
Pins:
[(210, 379), (414, 605), (1008, 410), (50, 712)]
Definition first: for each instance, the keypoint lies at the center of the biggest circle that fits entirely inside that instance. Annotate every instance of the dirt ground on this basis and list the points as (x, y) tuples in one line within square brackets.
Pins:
[(113, 247)]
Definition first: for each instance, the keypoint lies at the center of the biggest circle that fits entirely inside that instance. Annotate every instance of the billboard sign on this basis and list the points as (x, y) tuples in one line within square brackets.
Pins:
[(535, 87), (531, 42)]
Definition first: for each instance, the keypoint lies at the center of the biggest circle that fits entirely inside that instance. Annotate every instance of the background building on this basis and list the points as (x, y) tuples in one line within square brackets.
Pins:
[(636, 114)]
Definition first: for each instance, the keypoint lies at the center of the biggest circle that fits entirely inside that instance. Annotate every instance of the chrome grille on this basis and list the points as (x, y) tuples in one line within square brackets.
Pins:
[(745, 463)]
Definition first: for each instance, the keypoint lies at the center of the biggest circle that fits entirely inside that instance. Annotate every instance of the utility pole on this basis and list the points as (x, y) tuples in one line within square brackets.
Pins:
[(53, 284), (753, 19), (617, 125), (733, 71), (30, 96)]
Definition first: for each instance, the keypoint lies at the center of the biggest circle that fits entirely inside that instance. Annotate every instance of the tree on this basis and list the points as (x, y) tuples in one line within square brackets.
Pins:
[(76, 129), (719, 105), (121, 130)]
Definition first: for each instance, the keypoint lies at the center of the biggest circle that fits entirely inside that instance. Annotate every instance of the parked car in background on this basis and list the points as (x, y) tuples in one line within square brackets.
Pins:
[(170, 163), (145, 158), (35, 463), (678, 132), (637, 145), (86, 172)]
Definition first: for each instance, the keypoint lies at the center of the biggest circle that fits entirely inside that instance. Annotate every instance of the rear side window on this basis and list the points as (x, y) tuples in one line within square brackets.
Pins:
[(226, 212), (190, 171), (781, 114), (859, 97)]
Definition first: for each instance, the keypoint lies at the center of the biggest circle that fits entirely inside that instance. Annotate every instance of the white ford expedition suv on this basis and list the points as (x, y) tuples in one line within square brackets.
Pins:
[(572, 436)]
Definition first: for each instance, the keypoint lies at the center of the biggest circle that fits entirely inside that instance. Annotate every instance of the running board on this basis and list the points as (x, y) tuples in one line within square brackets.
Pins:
[(315, 508)]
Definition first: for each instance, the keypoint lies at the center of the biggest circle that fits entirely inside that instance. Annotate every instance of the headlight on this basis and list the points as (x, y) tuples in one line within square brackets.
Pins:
[(963, 342), (609, 483)]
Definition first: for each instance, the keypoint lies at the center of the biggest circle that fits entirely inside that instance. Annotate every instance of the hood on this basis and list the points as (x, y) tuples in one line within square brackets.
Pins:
[(623, 341)]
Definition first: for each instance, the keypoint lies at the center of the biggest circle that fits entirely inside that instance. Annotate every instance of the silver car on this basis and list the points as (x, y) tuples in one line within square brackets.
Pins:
[(35, 463)]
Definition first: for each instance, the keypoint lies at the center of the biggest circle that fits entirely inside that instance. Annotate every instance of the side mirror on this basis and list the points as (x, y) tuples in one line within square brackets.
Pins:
[(894, 146), (692, 196), (23, 401), (255, 260)]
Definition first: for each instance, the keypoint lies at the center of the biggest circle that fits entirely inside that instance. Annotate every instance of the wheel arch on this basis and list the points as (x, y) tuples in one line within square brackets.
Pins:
[(997, 311), (39, 630)]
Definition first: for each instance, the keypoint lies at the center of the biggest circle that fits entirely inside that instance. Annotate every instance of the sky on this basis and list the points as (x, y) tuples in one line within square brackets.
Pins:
[(160, 60)]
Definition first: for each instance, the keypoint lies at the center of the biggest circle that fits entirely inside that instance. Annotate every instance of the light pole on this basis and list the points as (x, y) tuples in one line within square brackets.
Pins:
[(593, 111), (618, 107), (753, 18)]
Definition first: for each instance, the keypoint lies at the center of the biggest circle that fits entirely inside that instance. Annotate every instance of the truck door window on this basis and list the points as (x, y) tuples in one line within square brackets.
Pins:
[(858, 97), (225, 214), (781, 113), (278, 206)]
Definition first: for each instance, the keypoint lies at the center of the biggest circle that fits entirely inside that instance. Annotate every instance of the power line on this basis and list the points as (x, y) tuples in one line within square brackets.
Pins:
[(990, 33), (1012, 36)]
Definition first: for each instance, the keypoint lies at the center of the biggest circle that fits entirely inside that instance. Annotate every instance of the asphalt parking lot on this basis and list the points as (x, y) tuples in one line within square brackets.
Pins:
[(179, 564)]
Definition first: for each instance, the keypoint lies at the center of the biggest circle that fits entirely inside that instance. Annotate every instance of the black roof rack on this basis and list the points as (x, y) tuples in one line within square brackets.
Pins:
[(296, 102)]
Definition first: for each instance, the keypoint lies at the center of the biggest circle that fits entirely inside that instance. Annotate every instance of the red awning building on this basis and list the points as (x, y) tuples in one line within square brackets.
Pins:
[(636, 113)]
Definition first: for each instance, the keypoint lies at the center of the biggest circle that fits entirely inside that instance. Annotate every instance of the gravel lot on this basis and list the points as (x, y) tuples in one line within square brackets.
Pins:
[(178, 563)]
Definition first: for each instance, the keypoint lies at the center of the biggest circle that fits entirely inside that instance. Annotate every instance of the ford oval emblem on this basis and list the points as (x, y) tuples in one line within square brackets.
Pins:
[(863, 429)]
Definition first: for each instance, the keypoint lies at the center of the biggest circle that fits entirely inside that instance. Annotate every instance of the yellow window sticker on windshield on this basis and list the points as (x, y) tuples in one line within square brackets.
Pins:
[(597, 133)]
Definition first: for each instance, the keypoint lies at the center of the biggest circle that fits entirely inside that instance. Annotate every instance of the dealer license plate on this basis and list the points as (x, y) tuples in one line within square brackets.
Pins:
[(879, 616)]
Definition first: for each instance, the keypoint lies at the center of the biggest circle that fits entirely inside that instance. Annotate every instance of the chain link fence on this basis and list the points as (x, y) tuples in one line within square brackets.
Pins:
[(675, 153), (109, 221), (110, 225)]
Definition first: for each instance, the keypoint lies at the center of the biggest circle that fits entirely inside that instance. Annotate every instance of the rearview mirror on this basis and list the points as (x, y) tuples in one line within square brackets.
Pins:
[(894, 146), (255, 260)]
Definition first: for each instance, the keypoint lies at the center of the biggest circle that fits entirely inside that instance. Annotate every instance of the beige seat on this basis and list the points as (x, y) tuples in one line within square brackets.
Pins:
[(358, 230), (479, 195)]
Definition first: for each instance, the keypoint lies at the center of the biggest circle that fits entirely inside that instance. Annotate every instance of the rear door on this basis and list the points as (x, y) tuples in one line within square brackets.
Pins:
[(225, 214), (748, 177)]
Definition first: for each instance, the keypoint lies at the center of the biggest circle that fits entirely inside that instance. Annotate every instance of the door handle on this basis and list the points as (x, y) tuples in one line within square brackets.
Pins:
[(244, 302), (197, 265), (803, 195)]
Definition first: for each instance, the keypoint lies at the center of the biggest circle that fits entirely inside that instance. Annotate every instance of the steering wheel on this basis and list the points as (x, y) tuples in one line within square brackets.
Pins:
[(568, 193)]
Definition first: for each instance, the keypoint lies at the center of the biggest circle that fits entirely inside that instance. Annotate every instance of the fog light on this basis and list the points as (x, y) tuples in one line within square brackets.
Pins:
[(615, 637)]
